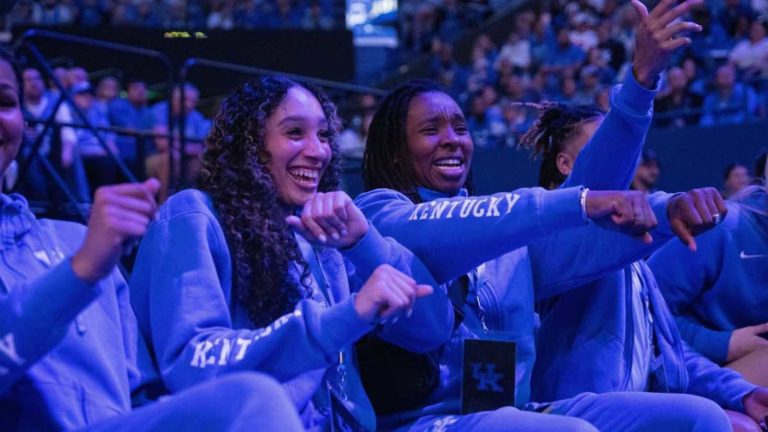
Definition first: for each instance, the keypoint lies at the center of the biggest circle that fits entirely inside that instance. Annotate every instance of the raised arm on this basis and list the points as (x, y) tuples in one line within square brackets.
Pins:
[(610, 158)]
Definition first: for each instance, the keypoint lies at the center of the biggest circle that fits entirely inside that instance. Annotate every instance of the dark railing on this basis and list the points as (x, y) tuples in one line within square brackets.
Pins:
[(26, 44)]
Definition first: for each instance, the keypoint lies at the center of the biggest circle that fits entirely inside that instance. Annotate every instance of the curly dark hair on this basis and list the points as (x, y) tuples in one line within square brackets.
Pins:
[(557, 123), (235, 174), (387, 143)]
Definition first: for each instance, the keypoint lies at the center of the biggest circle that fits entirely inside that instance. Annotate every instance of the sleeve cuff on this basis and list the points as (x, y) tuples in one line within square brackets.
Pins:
[(560, 208), (49, 300), (713, 344), (368, 253), (634, 97), (659, 202), (341, 325)]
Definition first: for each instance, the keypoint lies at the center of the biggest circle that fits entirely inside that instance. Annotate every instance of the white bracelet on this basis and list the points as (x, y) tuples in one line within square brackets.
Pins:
[(583, 202)]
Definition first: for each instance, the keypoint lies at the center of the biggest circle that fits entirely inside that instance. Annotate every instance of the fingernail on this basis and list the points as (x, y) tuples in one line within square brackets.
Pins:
[(322, 238), (335, 236), (410, 312), (344, 233)]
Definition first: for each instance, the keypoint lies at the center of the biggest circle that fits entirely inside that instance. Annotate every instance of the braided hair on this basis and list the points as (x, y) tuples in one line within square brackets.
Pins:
[(235, 174), (557, 124), (386, 149)]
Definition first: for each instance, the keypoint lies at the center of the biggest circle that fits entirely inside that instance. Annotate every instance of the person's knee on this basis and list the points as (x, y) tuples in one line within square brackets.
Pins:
[(241, 386), (741, 422), (706, 415)]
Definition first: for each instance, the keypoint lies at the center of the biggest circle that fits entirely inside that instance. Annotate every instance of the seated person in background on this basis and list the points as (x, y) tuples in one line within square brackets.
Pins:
[(647, 173), (132, 112), (253, 270), (68, 339), (735, 178), (730, 102), (677, 97), (719, 294), (750, 56), (100, 167), (195, 129)]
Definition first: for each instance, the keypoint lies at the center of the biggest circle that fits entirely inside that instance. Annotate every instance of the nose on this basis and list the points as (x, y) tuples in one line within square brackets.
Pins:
[(450, 139), (317, 148)]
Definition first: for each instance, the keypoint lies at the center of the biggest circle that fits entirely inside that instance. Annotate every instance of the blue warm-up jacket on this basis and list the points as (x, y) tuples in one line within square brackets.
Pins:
[(195, 328), (585, 343), (723, 286)]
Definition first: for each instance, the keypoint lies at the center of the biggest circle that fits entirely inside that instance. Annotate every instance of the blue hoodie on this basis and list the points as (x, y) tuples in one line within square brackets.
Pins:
[(724, 285), (587, 335), (67, 347), (452, 242), (196, 330), (491, 231)]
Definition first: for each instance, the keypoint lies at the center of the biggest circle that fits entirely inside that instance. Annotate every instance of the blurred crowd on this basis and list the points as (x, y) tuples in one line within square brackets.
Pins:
[(182, 14), (129, 129), (576, 51)]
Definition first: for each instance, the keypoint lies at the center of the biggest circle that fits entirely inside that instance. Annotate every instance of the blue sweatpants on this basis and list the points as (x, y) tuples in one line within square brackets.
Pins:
[(236, 402), (589, 412)]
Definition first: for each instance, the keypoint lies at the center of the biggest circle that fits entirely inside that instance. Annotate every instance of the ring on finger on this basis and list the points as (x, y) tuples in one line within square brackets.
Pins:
[(716, 218)]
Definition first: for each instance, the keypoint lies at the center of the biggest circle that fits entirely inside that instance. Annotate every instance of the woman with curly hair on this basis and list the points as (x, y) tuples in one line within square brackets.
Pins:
[(223, 283)]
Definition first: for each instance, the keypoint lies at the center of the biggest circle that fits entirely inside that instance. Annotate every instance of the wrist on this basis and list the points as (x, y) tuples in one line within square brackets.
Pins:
[(583, 202), (645, 78), (83, 268)]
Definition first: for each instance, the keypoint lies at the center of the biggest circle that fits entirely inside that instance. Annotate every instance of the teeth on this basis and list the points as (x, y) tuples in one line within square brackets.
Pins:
[(304, 175), (450, 162)]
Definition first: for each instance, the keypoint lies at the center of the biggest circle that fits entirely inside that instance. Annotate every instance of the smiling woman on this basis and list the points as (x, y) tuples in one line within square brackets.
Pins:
[(253, 270)]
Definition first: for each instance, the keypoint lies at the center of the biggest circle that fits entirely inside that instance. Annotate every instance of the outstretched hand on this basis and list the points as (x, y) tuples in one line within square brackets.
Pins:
[(387, 295), (119, 214), (694, 212), (659, 34), (331, 219), (625, 211), (756, 404)]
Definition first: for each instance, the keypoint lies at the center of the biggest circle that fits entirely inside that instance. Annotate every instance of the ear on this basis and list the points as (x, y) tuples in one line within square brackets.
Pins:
[(564, 163)]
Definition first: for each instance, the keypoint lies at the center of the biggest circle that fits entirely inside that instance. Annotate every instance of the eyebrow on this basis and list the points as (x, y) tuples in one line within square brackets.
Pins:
[(437, 117), (300, 119)]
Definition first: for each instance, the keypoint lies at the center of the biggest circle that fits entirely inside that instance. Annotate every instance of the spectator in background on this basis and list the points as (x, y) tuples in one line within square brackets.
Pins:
[(485, 121), (589, 83), (735, 178), (61, 74), (583, 35), (693, 76), (76, 75), (612, 48), (91, 13), (221, 16), (100, 167), (315, 18), (647, 173), (52, 12), (750, 56), (446, 70), (517, 51), (730, 102), (39, 106), (732, 12), (352, 139), (565, 58), (677, 97), (107, 90), (132, 112), (284, 14), (195, 129)]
